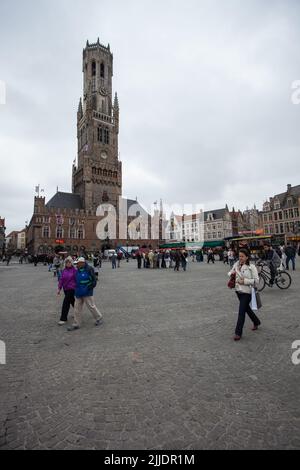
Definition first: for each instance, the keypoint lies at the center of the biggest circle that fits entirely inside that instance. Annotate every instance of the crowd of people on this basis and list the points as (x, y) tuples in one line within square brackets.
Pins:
[(78, 277)]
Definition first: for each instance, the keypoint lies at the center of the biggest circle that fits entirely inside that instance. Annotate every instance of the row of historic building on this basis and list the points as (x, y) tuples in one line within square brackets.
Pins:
[(57, 225)]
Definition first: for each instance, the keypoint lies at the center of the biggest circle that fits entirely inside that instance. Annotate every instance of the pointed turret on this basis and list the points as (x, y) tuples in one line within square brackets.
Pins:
[(80, 110), (116, 102), (116, 110)]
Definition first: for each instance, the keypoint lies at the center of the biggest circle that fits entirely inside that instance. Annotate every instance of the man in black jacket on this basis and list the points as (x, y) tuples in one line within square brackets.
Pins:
[(290, 252)]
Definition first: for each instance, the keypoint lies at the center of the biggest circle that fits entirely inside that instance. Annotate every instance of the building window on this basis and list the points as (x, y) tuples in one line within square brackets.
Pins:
[(106, 136), (59, 233), (296, 212), (102, 70), (289, 202), (291, 213), (72, 233), (281, 228), (100, 134), (94, 69), (280, 215), (80, 234), (275, 216), (265, 218), (286, 214), (276, 229), (276, 205), (270, 218), (46, 232)]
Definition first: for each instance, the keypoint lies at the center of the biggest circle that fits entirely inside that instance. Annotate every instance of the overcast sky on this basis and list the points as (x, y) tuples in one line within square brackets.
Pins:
[(206, 115)]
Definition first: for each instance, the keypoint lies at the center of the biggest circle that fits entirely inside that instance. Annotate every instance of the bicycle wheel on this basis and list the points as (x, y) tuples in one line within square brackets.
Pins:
[(262, 283), (283, 280)]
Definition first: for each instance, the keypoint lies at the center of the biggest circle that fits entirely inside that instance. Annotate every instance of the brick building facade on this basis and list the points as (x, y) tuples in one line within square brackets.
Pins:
[(281, 215)]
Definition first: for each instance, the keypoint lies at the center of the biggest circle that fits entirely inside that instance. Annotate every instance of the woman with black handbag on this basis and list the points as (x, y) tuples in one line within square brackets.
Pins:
[(246, 277)]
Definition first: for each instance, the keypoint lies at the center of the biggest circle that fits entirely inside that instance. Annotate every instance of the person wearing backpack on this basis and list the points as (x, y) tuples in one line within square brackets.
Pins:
[(246, 277), (84, 294)]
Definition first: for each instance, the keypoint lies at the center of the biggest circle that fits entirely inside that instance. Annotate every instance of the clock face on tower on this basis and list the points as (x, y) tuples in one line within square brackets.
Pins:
[(104, 155), (103, 91)]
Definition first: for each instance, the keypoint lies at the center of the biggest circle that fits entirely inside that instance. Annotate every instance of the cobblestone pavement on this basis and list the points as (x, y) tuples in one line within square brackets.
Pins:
[(162, 372)]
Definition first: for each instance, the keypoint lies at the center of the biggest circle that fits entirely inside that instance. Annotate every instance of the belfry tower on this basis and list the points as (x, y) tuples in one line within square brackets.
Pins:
[(97, 176)]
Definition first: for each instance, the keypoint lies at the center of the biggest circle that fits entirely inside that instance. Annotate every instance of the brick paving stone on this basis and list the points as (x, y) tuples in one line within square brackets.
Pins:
[(161, 373)]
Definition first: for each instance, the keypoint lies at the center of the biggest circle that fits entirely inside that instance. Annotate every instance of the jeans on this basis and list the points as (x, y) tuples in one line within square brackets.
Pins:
[(68, 301), (244, 308), (293, 260), (273, 271)]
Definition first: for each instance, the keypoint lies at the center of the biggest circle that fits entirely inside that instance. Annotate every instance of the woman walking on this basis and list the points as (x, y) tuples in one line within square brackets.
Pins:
[(246, 276), (67, 282)]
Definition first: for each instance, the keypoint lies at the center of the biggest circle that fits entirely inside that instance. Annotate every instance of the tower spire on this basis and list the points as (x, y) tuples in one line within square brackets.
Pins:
[(116, 102), (80, 110)]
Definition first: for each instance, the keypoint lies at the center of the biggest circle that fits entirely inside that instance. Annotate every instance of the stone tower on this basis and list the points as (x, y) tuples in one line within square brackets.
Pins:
[(97, 177)]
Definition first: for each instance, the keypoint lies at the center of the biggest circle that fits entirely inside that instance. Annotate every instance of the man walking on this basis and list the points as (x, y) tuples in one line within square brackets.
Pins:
[(290, 252), (84, 294), (114, 260)]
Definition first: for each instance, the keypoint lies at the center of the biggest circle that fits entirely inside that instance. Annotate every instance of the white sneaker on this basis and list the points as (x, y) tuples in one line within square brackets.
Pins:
[(61, 323)]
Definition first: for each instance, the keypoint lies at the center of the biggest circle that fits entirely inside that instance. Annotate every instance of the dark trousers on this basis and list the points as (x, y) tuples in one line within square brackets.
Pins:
[(245, 300), (293, 260), (273, 272), (68, 301)]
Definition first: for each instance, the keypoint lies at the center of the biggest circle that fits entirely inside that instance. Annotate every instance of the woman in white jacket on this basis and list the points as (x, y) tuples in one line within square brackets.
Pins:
[(246, 278)]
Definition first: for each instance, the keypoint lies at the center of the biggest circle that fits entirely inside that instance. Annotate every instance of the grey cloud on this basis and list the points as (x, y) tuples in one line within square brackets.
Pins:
[(204, 90)]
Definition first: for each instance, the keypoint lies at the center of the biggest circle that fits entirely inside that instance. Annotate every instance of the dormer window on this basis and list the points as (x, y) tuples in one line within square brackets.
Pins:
[(290, 202), (276, 204)]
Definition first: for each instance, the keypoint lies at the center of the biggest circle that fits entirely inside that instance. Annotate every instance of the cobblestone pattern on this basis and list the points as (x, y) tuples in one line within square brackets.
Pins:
[(161, 373)]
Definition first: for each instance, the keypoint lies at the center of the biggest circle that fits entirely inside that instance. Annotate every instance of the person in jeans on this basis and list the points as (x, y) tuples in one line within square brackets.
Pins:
[(290, 252), (114, 261), (246, 278), (84, 294), (67, 282)]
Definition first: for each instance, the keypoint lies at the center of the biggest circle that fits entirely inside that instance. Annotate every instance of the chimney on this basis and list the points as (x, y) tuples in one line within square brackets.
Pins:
[(289, 187)]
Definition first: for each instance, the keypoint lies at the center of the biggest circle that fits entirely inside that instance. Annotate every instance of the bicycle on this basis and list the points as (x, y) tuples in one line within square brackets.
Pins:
[(282, 279)]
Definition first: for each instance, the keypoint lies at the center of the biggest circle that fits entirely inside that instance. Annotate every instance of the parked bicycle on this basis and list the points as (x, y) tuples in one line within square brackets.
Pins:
[(282, 279)]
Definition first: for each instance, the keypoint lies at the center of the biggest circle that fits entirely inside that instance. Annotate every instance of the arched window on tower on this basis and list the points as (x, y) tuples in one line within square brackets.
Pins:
[(100, 135), (94, 70), (102, 70)]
